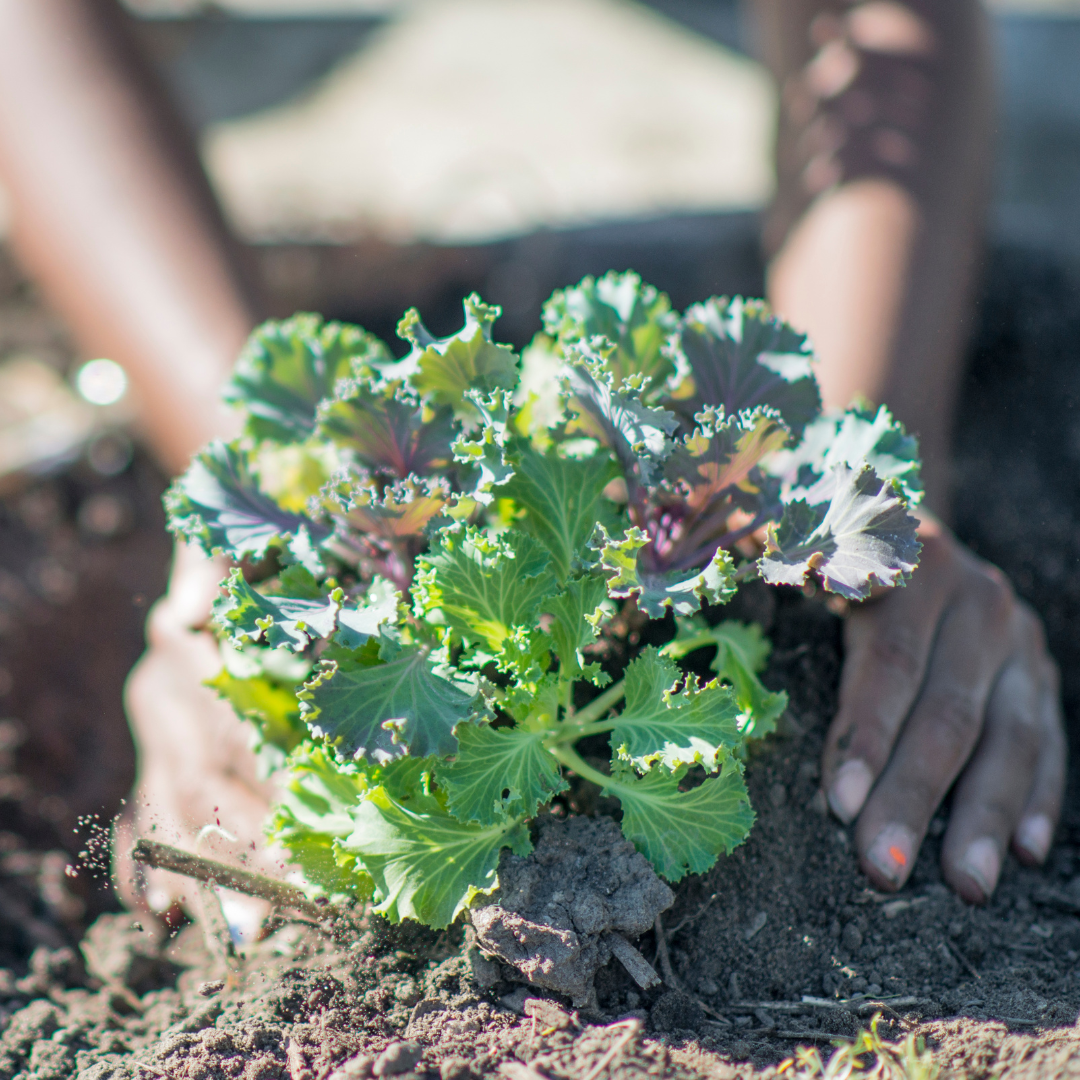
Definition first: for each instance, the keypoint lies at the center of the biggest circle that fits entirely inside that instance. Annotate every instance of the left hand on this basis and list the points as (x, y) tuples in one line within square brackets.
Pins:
[(945, 681)]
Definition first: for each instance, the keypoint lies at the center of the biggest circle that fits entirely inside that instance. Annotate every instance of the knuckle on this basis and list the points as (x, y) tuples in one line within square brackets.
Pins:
[(995, 596), (956, 716), (896, 649), (1022, 737)]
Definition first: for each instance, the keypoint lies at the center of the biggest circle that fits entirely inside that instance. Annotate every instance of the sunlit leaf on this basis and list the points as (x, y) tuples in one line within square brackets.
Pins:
[(287, 367), (498, 772), (657, 592), (218, 506), (683, 832), (635, 317), (426, 864), (670, 724)]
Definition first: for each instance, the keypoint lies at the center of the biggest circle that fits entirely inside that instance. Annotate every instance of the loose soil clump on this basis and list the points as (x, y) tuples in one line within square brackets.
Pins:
[(562, 912)]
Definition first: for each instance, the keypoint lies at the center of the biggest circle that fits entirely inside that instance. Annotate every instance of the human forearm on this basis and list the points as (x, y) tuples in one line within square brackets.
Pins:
[(113, 218), (879, 269)]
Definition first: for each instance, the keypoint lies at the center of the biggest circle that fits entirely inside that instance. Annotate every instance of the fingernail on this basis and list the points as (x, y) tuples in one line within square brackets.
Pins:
[(1034, 835), (982, 863), (892, 853), (849, 789)]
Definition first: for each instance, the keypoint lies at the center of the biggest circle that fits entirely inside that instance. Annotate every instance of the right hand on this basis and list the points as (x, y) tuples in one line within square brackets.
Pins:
[(195, 765)]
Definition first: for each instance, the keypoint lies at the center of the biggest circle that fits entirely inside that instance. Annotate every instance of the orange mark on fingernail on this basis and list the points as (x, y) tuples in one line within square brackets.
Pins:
[(898, 855)]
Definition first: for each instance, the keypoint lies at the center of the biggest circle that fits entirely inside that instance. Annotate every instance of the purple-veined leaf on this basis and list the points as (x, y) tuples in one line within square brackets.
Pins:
[(639, 435), (862, 538), (742, 357), (217, 505), (399, 510), (722, 452), (387, 429)]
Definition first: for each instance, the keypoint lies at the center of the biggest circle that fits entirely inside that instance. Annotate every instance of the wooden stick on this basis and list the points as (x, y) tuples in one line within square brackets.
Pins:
[(165, 857)]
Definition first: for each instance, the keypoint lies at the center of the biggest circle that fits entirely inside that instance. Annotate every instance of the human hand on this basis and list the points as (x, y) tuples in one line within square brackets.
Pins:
[(195, 766), (949, 677)]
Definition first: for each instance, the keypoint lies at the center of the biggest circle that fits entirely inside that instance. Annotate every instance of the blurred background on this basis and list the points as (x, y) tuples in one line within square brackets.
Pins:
[(378, 154)]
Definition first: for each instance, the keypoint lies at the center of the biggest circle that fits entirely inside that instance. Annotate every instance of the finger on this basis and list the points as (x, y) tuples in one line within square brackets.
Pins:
[(991, 793), (940, 733), (888, 646), (1033, 836)]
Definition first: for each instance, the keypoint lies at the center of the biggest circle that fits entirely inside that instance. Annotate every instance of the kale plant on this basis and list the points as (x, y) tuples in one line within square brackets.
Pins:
[(434, 554)]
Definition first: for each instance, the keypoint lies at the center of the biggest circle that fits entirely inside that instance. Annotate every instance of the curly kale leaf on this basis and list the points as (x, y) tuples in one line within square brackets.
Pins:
[(850, 438), (314, 814), (379, 611), (741, 653), (488, 590), (682, 832), (486, 450), (384, 703), (639, 435), (742, 357), (426, 864), (657, 592), (387, 430), (293, 613), (863, 537), (563, 499), (664, 725), (633, 316), (441, 370), (499, 773), (576, 610), (287, 367), (721, 454), (218, 506), (399, 510)]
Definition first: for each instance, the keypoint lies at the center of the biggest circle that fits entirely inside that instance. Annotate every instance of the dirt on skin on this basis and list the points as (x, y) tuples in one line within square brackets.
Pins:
[(782, 943)]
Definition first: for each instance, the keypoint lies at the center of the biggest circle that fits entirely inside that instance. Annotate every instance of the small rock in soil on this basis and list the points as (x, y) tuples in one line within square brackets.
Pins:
[(356, 1068), (548, 1013), (398, 1058)]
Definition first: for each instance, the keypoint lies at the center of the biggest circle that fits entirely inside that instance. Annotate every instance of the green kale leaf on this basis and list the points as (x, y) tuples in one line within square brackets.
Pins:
[(426, 864)]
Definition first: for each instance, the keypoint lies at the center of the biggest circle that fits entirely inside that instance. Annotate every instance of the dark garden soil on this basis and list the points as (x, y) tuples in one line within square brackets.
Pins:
[(782, 943)]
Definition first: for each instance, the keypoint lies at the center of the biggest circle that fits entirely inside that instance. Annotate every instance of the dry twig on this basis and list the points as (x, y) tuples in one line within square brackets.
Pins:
[(165, 857)]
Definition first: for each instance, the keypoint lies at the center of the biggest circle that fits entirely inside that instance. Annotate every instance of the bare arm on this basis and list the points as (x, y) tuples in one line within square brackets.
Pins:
[(113, 217)]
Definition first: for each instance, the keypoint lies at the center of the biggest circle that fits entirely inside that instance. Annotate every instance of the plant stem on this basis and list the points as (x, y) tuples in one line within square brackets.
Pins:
[(569, 757), (600, 705)]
